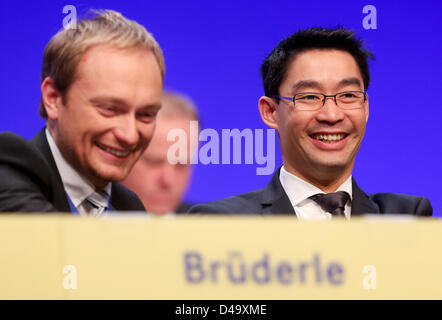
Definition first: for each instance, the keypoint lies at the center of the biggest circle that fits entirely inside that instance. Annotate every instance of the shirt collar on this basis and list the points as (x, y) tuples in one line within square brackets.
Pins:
[(299, 190), (75, 185)]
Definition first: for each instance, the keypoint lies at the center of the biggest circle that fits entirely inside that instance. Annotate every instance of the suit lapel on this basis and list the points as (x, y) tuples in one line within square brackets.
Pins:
[(125, 200), (59, 195), (40, 141), (361, 203), (276, 201), (274, 198), (117, 200)]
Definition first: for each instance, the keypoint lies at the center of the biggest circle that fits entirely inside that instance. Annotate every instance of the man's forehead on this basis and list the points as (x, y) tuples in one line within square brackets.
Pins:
[(343, 82), (98, 50), (323, 67), (102, 59), (326, 52), (166, 123)]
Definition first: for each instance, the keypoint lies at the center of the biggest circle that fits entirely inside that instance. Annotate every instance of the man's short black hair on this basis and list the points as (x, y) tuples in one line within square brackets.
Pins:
[(274, 68)]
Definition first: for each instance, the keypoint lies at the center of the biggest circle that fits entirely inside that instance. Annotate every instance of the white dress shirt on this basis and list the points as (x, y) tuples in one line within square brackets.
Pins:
[(75, 185), (299, 192)]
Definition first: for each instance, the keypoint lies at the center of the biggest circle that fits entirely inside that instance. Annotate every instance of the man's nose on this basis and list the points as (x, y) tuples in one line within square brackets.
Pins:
[(330, 112), (167, 174), (126, 131)]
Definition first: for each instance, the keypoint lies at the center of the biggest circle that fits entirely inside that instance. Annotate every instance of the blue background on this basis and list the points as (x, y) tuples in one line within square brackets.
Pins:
[(213, 53)]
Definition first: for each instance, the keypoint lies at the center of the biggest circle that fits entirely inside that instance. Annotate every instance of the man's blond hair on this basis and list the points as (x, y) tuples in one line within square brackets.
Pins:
[(64, 51)]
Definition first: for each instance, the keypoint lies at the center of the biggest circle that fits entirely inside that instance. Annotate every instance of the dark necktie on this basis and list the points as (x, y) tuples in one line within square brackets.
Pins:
[(332, 202)]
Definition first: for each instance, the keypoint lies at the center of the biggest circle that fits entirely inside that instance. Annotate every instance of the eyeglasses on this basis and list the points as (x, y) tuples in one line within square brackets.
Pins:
[(311, 101)]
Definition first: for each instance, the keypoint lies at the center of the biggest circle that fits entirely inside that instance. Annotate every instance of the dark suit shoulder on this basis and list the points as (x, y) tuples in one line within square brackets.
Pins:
[(246, 203), (124, 199), (183, 207), (402, 203), (25, 176), (15, 150)]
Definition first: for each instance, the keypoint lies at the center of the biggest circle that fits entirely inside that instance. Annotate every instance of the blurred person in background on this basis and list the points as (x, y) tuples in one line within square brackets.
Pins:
[(160, 184)]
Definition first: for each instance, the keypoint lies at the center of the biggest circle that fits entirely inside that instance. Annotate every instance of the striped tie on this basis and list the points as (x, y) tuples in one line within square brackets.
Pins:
[(96, 204)]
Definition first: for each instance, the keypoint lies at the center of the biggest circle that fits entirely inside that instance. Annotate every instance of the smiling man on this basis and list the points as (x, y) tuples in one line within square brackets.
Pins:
[(101, 90), (315, 84)]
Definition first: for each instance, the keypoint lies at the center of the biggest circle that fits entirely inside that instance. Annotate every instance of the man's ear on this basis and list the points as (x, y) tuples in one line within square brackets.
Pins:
[(267, 109), (366, 109), (52, 98)]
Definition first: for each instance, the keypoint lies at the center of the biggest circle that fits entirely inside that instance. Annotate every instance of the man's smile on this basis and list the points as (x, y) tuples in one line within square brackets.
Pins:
[(116, 152), (329, 137), (329, 141)]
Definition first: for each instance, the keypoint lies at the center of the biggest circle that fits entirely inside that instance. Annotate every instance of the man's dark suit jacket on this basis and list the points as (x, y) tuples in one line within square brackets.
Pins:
[(274, 200), (30, 181)]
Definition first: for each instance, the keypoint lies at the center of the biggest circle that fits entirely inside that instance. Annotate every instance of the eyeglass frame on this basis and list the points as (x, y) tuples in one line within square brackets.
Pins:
[(323, 100)]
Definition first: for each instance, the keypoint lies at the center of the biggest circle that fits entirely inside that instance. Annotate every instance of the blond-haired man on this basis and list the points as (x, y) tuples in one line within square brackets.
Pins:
[(101, 89)]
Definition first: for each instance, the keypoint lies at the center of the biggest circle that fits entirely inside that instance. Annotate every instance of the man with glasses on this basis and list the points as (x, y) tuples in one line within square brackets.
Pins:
[(315, 84)]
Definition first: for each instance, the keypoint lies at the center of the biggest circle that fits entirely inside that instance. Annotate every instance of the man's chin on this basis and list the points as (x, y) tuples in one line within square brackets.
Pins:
[(330, 166), (106, 176), (161, 204)]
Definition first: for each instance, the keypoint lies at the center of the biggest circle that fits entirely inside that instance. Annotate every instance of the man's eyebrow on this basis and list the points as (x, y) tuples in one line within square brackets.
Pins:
[(301, 84), (154, 106), (121, 102), (107, 99), (153, 158), (350, 81)]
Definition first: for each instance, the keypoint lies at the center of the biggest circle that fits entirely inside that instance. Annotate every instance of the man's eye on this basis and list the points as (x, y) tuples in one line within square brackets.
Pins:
[(107, 109), (154, 162), (308, 97), (350, 97), (147, 116)]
